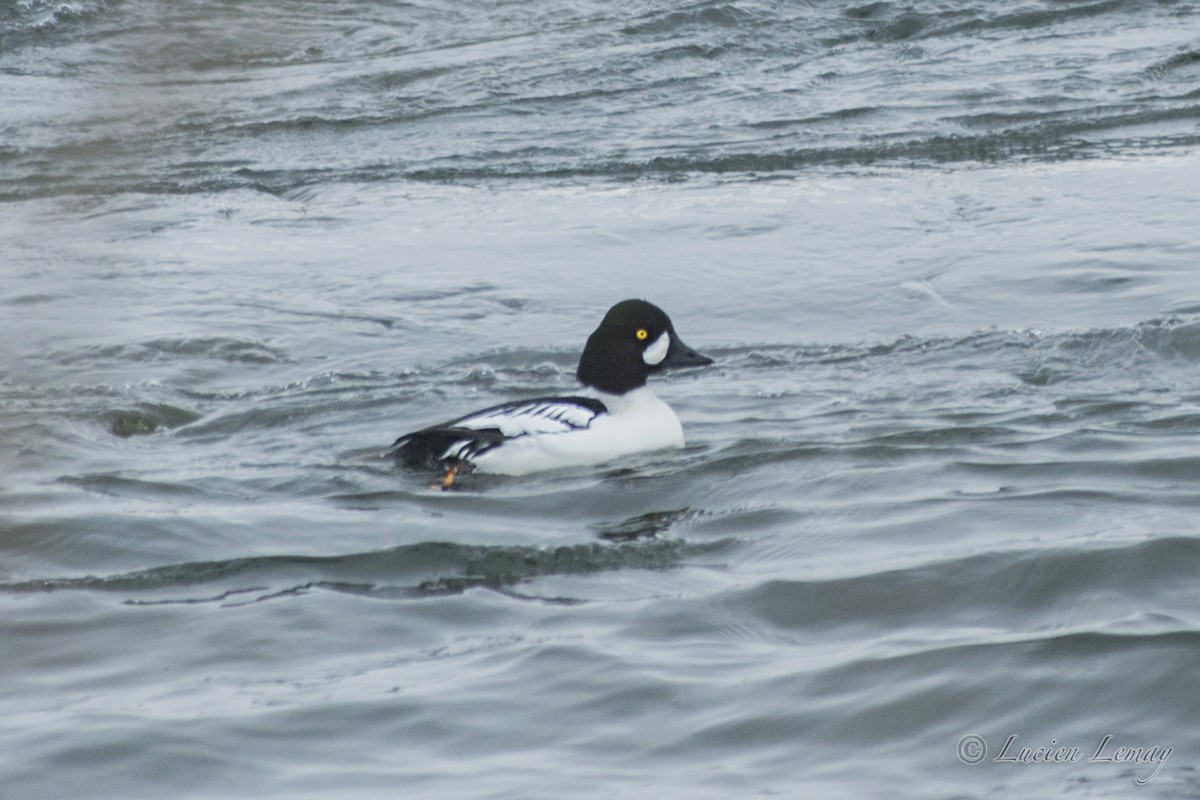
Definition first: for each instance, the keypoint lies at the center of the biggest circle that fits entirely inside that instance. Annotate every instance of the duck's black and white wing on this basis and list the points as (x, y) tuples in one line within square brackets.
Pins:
[(464, 439)]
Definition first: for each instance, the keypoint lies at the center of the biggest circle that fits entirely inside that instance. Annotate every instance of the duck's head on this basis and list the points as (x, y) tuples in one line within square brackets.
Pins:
[(634, 340)]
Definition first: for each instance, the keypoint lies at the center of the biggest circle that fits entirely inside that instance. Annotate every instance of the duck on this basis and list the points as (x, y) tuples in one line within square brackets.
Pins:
[(615, 414)]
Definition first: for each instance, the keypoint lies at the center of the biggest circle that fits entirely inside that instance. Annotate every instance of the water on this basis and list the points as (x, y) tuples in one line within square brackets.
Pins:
[(941, 483)]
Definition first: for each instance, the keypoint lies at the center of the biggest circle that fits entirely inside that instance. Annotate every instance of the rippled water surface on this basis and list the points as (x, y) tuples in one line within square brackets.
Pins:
[(936, 522)]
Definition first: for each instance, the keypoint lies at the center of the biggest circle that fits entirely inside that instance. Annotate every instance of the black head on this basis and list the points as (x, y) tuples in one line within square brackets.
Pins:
[(634, 339)]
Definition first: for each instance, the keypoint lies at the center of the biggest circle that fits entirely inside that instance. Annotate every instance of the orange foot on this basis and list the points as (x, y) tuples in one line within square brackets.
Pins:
[(448, 479)]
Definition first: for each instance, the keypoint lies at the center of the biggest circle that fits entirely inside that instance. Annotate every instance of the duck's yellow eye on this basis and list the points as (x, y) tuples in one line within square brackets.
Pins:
[(641, 334)]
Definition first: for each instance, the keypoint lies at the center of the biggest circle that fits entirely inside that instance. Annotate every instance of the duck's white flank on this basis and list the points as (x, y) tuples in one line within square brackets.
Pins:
[(636, 422)]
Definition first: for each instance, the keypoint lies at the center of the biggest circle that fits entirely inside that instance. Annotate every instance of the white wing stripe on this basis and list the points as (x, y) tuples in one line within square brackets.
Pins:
[(538, 417)]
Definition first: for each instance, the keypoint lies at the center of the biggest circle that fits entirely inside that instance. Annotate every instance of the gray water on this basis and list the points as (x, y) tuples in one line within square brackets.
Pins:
[(941, 483)]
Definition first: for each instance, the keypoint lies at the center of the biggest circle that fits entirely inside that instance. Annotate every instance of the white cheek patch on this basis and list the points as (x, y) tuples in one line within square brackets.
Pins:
[(657, 351)]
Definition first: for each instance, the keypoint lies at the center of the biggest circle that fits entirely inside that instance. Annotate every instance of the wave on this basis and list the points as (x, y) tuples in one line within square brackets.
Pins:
[(408, 571), (709, 89), (43, 18), (1042, 588), (998, 419), (1035, 357), (147, 418), (234, 351), (1040, 142)]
